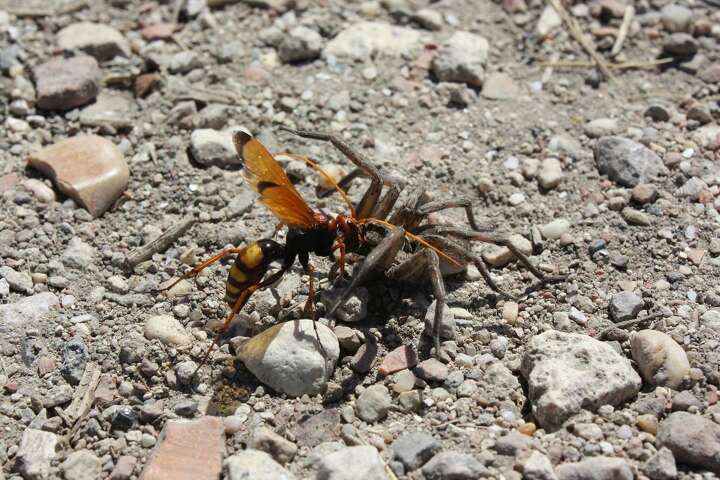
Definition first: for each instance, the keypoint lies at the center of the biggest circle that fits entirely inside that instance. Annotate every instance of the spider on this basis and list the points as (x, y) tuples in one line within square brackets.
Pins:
[(406, 220)]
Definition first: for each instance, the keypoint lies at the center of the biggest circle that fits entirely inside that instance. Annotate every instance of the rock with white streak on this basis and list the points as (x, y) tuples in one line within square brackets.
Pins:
[(100, 41), (288, 358), (36, 451), (661, 360), (626, 162), (568, 373), (28, 310)]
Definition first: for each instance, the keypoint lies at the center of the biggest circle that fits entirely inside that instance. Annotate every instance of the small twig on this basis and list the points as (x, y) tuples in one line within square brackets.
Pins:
[(581, 39), (612, 66), (628, 323), (161, 243), (549, 69), (624, 29), (82, 401)]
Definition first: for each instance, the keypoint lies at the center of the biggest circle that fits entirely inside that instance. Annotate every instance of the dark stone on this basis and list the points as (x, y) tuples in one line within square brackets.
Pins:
[(124, 419), (414, 449), (75, 356)]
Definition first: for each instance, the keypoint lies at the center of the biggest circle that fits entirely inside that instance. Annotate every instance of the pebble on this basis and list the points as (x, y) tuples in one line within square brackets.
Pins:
[(595, 468), (660, 466), (185, 372), (98, 40), (81, 465), (40, 191), (301, 44), (429, 19), (184, 62), (555, 229), (432, 370), (626, 162), (354, 309), (692, 189), (414, 449), (256, 465), (566, 145), (28, 310), (89, 169), (124, 467), (711, 319), (78, 254), (158, 31), (500, 86), (549, 20), (35, 452), (286, 357), (348, 338), (676, 18), (404, 381), (601, 127), (176, 457), (657, 113), (635, 217), (538, 467), (567, 372), (125, 418), (513, 443), (462, 59), (264, 439), (684, 401), (65, 83), (661, 361), (211, 147), (693, 440), (18, 281), (365, 460), (116, 109), (366, 39), (498, 256), (510, 312), (167, 330), (644, 193), (625, 306), (401, 358), (448, 329), (680, 45), (551, 173), (454, 465), (75, 357), (373, 404)]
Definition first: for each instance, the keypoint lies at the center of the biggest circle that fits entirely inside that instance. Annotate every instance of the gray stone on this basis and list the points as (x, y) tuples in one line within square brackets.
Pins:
[(692, 188), (78, 254), (432, 370), (255, 465), (661, 360), (186, 407), (185, 372), (447, 325), (100, 41), (166, 329), (694, 440), (36, 451), (18, 281), (65, 83), (211, 147), (500, 86), (454, 466), (595, 468), (354, 309), (281, 449), (75, 357), (414, 449), (364, 462), (601, 127), (111, 107), (124, 467), (299, 45), (374, 403), (711, 319), (366, 39), (676, 18), (462, 59), (551, 173), (538, 467), (569, 372), (28, 310), (287, 358), (212, 116), (184, 62), (81, 465), (635, 217), (626, 162), (513, 443), (549, 20), (661, 466), (57, 396), (680, 45), (625, 306), (564, 144)]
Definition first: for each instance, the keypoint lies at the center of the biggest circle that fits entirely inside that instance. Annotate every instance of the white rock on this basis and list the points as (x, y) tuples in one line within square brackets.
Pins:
[(462, 59), (569, 372), (36, 451), (78, 254), (596, 468), (287, 357), (18, 281), (538, 467), (555, 229), (711, 319), (498, 256), (100, 41), (166, 329), (549, 20), (81, 465), (551, 173), (365, 461), (660, 359), (214, 147), (601, 127), (256, 465), (366, 39), (28, 310), (39, 190)]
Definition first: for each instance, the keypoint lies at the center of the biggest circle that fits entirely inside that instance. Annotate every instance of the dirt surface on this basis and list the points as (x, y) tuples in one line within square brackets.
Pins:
[(224, 67)]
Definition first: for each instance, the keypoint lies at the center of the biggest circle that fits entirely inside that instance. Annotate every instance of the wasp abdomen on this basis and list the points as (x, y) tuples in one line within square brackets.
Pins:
[(248, 268)]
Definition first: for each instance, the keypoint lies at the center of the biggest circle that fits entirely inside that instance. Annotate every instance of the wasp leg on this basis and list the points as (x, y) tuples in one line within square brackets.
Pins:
[(201, 267), (425, 262), (310, 305), (379, 259), (367, 204)]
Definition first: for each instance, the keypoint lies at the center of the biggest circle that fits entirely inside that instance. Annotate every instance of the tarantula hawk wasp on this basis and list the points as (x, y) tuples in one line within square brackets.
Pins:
[(309, 231)]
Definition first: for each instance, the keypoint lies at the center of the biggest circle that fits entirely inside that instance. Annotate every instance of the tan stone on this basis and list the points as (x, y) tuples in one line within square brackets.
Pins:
[(188, 450), (89, 169)]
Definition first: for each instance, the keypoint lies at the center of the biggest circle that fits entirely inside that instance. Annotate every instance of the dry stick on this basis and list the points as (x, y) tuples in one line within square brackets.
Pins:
[(624, 29), (628, 323), (581, 39), (613, 66), (549, 69), (161, 243)]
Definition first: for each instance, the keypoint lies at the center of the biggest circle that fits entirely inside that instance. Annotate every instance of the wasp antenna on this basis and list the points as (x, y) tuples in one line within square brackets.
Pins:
[(326, 176), (414, 238)]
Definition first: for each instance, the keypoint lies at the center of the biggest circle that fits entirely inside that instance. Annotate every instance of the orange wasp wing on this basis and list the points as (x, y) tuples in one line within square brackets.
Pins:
[(268, 178)]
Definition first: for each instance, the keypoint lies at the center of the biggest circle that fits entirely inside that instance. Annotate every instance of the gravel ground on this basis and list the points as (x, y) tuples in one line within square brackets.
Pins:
[(117, 121)]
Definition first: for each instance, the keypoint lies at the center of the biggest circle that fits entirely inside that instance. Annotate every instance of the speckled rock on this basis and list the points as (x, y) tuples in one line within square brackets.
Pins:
[(626, 162), (100, 41), (65, 83)]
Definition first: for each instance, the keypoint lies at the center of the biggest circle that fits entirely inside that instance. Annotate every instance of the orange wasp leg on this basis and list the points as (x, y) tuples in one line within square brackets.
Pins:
[(201, 267)]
